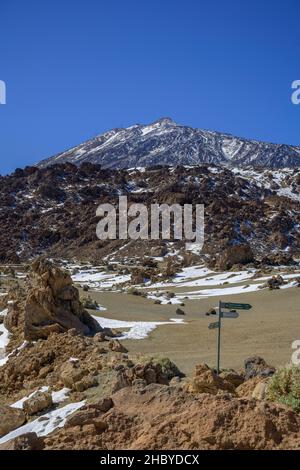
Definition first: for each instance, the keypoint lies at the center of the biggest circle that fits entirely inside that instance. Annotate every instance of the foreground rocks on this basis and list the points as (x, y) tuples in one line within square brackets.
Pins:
[(162, 417), (132, 402), (29, 441), (207, 381), (10, 419), (257, 366), (79, 363), (144, 410)]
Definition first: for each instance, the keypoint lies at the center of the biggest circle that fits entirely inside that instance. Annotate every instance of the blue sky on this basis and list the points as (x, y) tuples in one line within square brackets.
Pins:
[(74, 69)]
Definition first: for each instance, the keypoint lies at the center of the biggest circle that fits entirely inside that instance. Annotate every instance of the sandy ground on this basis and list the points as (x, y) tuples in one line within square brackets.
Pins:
[(267, 330)]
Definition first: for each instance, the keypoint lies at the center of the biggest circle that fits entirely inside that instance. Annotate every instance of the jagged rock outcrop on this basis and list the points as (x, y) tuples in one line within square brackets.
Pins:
[(51, 305)]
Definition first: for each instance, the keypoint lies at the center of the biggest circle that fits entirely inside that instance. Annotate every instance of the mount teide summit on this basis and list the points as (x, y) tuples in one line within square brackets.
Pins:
[(166, 143)]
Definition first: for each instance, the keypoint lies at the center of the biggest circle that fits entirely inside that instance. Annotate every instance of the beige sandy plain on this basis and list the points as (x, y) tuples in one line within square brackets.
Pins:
[(267, 330)]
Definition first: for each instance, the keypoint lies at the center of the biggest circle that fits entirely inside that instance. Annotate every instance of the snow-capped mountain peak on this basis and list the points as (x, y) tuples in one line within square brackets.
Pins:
[(164, 142)]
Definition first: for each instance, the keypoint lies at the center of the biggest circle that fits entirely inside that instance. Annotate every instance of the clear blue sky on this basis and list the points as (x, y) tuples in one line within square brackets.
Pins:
[(74, 69)]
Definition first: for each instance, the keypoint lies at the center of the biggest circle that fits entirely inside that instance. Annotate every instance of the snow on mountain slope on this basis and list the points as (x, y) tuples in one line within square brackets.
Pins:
[(166, 143)]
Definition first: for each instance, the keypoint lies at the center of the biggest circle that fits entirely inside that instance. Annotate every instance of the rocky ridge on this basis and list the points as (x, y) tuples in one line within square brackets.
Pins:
[(53, 211)]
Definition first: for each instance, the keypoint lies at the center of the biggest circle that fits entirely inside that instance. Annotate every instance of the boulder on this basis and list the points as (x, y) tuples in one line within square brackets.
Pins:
[(179, 311), (71, 373), (39, 402), (232, 377), (105, 404), (10, 419), (28, 441), (116, 346), (207, 381), (257, 366), (246, 389), (278, 259), (99, 337), (275, 282), (259, 393), (211, 311), (237, 254), (75, 377), (147, 373), (3, 302), (88, 420)]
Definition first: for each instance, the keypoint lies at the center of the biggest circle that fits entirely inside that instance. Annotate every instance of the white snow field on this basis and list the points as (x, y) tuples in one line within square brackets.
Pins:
[(137, 329)]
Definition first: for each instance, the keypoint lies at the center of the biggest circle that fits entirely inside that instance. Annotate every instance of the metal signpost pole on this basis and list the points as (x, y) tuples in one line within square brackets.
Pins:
[(231, 314), (219, 339)]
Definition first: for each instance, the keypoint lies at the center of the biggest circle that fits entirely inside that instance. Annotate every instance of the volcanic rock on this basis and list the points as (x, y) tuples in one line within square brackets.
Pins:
[(10, 419), (259, 393), (52, 305), (179, 311), (162, 417), (240, 209), (39, 402), (28, 441), (275, 282), (116, 346), (237, 254), (257, 366), (207, 381)]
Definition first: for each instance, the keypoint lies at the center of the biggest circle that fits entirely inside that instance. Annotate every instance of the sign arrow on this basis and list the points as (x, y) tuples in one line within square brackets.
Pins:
[(230, 315), (232, 306)]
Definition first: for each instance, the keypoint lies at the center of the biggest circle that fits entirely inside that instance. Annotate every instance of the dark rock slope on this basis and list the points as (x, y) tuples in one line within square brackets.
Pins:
[(53, 210)]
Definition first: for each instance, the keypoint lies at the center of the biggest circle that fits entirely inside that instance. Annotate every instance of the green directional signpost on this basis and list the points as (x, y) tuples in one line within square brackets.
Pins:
[(232, 307)]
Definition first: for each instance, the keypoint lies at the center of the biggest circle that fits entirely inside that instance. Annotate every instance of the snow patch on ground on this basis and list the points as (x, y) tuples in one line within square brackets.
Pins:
[(200, 294), (46, 423), (164, 300), (100, 279), (4, 338), (137, 329)]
